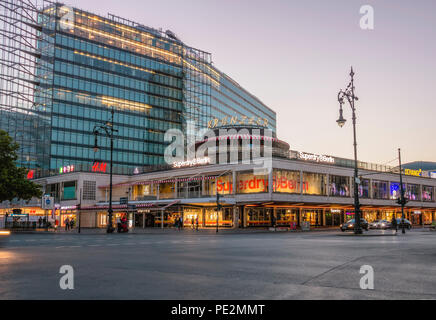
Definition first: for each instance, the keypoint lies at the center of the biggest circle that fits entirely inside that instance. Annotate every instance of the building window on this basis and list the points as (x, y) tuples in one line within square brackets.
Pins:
[(413, 192), (247, 182), (427, 193), (395, 190), (69, 190), (314, 183), (380, 189), (286, 181), (339, 186), (364, 188)]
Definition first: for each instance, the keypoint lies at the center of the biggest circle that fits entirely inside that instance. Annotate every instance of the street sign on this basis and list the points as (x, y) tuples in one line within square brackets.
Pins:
[(47, 202), (124, 200)]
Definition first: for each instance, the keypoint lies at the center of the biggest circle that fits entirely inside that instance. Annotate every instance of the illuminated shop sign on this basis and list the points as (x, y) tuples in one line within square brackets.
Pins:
[(315, 157), (410, 172), (99, 167), (191, 163), (433, 174), (235, 120), (30, 174), (66, 169)]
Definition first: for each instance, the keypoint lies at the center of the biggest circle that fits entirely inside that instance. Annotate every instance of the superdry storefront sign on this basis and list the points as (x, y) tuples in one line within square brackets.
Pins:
[(286, 182)]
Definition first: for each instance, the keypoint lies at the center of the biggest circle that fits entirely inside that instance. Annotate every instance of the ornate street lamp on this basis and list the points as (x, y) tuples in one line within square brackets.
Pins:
[(348, 93), (109, 130)]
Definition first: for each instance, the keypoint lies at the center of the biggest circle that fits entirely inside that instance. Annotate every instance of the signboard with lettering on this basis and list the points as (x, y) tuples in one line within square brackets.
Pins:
[(410, 172), (315, 157), (237, 120)]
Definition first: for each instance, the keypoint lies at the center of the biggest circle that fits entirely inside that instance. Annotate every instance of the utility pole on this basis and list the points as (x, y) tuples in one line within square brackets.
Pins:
[(80, 210), (402, 200), (218, 209)]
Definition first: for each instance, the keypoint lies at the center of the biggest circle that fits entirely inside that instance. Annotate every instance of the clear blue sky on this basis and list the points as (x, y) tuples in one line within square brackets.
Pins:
[(295, 56)]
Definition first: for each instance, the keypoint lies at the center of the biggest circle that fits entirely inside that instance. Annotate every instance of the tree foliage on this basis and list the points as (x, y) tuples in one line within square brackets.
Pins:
[(13, 182)]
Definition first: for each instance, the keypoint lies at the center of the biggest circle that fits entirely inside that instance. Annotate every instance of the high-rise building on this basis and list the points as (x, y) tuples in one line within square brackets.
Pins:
[(65, 69)]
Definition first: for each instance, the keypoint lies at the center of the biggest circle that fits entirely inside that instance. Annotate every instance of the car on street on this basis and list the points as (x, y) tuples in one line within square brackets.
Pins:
[(380, 224), (407, 224), (349, 225), (4, 234)]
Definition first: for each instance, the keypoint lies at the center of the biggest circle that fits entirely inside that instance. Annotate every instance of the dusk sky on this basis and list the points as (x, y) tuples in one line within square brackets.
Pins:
[(296, 55)]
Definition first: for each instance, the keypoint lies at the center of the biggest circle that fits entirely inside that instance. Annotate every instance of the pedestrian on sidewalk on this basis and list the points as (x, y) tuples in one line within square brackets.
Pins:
[(67, 224), (394, 224), (192, 223), (196, 223), (180, 223), (39, 222)]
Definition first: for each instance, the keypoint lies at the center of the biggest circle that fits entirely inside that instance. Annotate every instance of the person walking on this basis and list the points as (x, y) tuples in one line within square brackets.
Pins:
[(192, 223), (67, 224), (72, 223), (196, 223), (180, 223), (394, 224), (39, 222)]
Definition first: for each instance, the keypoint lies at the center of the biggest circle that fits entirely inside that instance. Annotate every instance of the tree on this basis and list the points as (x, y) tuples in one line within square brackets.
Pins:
[(13, 182)]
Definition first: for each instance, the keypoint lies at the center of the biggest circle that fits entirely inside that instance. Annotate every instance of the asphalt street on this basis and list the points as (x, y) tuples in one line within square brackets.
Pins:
[(281, 265)]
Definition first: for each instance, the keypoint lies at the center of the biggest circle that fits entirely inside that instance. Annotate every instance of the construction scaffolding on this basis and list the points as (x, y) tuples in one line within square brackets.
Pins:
[(26, 75)]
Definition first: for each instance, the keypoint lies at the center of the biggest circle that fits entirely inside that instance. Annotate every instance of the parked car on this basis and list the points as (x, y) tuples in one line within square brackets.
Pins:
[(4, 234), (407, 224), (349, 225), (380, 224)]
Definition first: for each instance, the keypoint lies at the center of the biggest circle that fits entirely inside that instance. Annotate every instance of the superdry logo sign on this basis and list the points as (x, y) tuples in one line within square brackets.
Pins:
[(315, 157)]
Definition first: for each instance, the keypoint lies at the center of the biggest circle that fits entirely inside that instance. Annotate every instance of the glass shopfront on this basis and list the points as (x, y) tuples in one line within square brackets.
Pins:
[(258, 217), (225, 217), (427, 217), (370, 215), (286, 216), (314, 216), (286, 181), (339, 186), (314, 183), (190, 217), (333, 217), (224, 185)]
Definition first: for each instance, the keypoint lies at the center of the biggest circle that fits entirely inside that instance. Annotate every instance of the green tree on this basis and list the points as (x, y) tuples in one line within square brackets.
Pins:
[(13, 182)]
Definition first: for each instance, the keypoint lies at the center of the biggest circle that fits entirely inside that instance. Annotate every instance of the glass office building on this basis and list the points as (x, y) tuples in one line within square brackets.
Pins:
[(83, 65)]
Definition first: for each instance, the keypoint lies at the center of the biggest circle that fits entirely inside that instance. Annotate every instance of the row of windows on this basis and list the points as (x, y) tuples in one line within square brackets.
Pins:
[(101, 89), (97, 116), (117, 66), (112, 79), (248, 97), (229, 98), (120, 55), (79, 152), (86, 138), (105, 102)]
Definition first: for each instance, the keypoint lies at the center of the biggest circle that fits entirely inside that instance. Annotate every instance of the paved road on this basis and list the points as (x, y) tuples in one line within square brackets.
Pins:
[(226, 266)]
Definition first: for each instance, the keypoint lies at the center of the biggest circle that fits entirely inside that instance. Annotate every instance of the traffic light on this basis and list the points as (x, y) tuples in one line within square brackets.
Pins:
[(402, 201)]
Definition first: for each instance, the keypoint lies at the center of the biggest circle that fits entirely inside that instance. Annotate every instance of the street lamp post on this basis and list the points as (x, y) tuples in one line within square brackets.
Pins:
[(108, 128), (351, 98)]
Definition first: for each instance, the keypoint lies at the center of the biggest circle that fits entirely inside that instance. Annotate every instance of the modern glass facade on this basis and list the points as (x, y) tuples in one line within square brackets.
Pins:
[(87, 65)]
